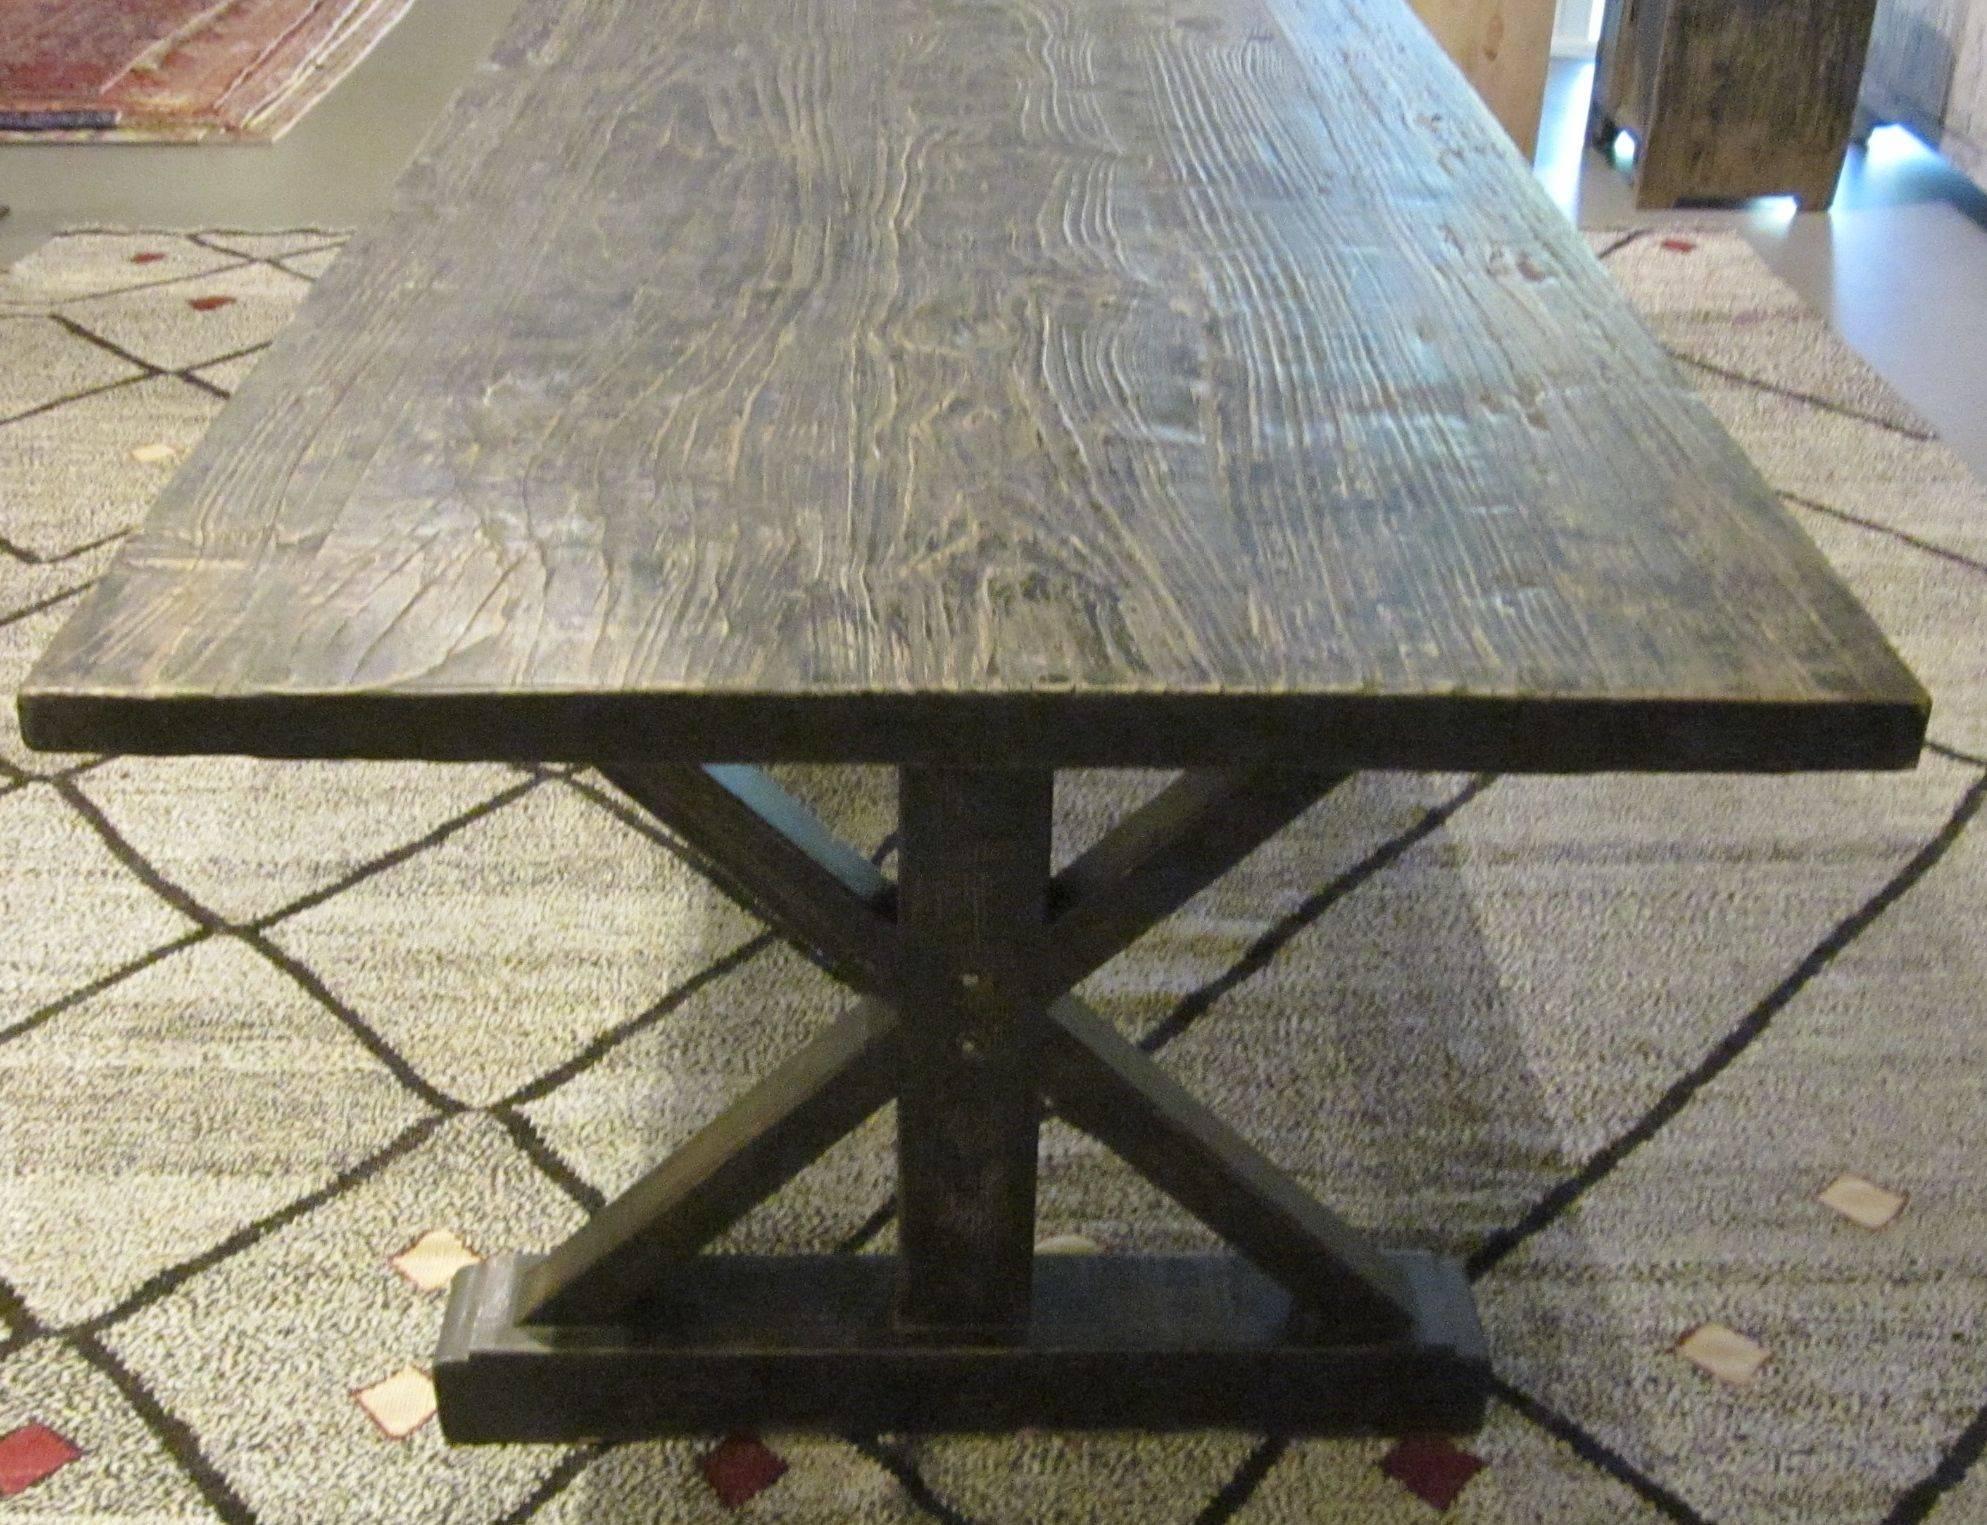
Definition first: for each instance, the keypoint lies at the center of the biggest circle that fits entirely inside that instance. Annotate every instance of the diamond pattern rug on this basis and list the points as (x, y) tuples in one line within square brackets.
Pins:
[(1691, 1071)]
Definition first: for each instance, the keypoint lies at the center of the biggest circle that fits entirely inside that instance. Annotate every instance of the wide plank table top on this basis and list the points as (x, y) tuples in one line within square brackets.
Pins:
[(974, 381)]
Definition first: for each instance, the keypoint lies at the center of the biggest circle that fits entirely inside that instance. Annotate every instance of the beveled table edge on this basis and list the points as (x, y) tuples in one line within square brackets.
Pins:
[(1053, 729)]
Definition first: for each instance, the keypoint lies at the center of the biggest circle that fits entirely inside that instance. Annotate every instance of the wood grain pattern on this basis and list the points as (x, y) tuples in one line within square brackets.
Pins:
[(941, 380)]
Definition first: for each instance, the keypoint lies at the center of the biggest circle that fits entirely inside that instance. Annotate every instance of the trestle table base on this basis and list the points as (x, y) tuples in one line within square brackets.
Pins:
[(964, 966)]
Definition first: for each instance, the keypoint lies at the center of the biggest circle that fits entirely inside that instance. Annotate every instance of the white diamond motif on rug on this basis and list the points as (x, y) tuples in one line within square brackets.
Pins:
[(262, 1352)]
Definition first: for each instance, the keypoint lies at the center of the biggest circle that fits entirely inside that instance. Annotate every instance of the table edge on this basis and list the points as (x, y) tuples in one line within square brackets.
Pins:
[(1433, 732)]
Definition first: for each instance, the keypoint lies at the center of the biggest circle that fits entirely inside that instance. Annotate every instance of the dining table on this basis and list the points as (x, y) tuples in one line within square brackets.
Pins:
[(982, 389)]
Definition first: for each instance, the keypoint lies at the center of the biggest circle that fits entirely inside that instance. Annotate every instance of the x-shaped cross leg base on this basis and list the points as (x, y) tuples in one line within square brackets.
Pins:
[(964, 966)]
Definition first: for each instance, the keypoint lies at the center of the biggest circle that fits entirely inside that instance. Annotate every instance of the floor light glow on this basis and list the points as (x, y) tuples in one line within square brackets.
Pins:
[(1892, 144)]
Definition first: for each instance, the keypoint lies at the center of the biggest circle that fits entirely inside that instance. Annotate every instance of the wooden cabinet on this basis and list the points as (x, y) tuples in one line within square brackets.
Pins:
[(1504, 48), (1730, 99)]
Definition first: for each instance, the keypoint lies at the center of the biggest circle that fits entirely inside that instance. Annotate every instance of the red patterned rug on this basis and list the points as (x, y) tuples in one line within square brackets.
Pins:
[(164, 70)]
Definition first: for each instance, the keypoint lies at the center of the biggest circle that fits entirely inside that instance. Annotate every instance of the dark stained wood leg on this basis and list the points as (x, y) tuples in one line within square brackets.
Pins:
[(973, 897), (1660, 183), (624, 1330), (1815, 189)]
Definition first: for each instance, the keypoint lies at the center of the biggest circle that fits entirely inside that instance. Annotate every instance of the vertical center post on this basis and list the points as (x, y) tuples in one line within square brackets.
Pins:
[(973, 883)]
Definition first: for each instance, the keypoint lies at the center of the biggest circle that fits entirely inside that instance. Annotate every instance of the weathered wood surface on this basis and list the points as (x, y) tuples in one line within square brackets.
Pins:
[(1504, 48), (1733, 98), (1041, 381)]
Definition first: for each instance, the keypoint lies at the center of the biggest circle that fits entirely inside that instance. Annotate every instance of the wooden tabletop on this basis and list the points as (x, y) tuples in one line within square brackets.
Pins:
[(974, 381)]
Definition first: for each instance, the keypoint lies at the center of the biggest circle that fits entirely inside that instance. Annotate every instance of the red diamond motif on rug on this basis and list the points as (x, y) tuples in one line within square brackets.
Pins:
[(740, 1469), (149, 257), (208, 304), (29, 1454), (1679, 246), (1432, 1468)]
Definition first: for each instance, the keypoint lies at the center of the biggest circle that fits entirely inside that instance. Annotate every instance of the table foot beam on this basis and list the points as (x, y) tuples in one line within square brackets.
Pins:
[(964, 964), (811, 1342)]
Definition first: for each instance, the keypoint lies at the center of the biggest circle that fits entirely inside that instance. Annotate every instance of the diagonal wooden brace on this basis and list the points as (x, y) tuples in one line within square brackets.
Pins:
[(778, 861), (773, 856), (783, 863), (606, 1270), (1109, 1089), (1159, 857)]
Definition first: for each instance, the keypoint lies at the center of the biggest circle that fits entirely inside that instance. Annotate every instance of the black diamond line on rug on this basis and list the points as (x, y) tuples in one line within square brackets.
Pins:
[(174, 1434), (1903, 537), (1918, 1501), (30, 558), (1791, 394), (1603, 1161), (1596, 1453)]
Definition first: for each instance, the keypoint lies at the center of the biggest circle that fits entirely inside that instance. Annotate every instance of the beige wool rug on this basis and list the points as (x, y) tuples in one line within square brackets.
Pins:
[(1692, 1071)]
